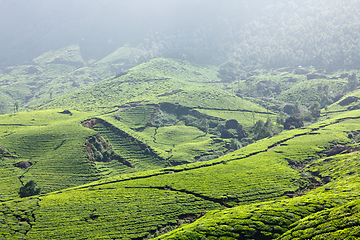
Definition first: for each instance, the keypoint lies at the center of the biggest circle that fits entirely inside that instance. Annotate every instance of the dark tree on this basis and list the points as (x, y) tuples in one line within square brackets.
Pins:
[(315, 110), (353, 82), (30, 189), (263, 130), (16, 107)]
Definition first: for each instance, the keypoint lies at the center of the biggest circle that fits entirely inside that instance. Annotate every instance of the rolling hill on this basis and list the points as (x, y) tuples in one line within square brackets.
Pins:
[(169, 150), (268, 189)]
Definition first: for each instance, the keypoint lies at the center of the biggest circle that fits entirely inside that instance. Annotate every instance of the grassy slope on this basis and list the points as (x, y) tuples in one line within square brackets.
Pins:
[(328, 212), (149, 81), (158, 200), (53, 143), (151, 201), (337, 107), (50, 140), (57, 73)]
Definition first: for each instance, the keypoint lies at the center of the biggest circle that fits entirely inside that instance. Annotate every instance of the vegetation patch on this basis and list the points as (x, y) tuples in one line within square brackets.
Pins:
[(17, 217), (99, 149)]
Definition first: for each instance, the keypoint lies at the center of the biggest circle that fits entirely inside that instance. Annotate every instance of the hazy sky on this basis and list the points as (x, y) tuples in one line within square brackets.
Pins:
[(30, 27)]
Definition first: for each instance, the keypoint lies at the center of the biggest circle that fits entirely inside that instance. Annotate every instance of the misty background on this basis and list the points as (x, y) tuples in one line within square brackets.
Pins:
[(256, 34)]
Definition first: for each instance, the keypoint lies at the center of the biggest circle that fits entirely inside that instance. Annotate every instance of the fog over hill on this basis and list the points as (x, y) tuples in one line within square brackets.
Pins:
[(29, 28), (255, 33)]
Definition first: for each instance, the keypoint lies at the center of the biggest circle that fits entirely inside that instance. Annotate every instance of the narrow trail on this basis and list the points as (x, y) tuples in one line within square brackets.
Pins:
[(234, 110), (166, 188)]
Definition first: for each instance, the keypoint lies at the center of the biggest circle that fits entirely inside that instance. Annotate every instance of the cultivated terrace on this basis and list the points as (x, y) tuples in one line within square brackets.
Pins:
[(169, 149)]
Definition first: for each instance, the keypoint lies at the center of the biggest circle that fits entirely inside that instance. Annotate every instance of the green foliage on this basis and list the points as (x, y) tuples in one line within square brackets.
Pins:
[(163, 119), (157, 82), (336, 223), (100, 150), (171, 166), (262, 130), (67, 54), (229, 71), (315, 110), (127, 148), (135, 117), (235, 144), (17, 218), (2, 150), (16, 107), (255, 183), (130, 211), (353, 82), (53, 74), (29, 189), (280, 119)]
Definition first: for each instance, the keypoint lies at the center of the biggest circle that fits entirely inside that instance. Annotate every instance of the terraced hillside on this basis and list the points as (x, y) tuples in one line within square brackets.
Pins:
[(52, 145), (168, 149), (279, 187), (144, 135), (159, 80)]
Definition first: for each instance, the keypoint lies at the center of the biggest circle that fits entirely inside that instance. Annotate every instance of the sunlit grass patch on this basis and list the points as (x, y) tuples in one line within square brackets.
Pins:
[(53, 143), (114, 210)]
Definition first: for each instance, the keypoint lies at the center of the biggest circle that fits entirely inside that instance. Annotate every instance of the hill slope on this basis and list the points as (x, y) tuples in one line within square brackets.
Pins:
[(272, 186), (169, 146)]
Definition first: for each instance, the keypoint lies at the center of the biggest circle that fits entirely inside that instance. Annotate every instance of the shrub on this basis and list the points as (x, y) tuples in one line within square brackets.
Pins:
[(229, 71), (30, 189), (280, 119), (353, 82), (2, 150), (263, 130), (315, 110), (208, 157), (189, 120), (106, 155), (98, 156), (162, 119), (235, 144), (307, 117), (99, 146)]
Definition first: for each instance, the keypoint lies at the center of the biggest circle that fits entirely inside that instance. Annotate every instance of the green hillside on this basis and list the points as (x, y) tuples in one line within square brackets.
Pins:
[(169, 149), (48, 140), (57, 73), (159, 80), (270, 189), (183, 120)]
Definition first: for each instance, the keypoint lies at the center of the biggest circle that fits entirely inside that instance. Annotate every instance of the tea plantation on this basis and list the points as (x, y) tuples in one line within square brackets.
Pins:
[(255, 192), (167, 150)]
